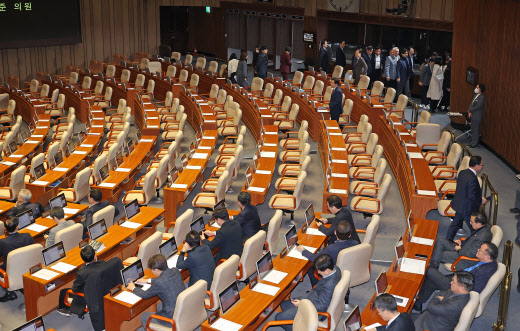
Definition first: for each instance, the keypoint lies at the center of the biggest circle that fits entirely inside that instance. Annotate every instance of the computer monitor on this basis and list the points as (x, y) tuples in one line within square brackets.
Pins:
[(58, 158), (58, 201), (264, 265), (131, 209), (12, 146), (22, 137), (249, 176), (132, 273), (353, 320), (198, 225), (399, 250), (39, 171), (184, 161), (220, 204), (33, 325), (291, 237), (381, 283), (309, 214), (25, 219), (97, 230), (168, 248), (411, 225), (119, 159), (311, 70), (229, 297), (53, 253), (103, 172)]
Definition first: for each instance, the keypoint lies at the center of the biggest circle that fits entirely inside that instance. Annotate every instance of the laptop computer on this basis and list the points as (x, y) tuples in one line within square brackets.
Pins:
[(264, 266), (291, 238), (169, 250), (39, 171), (229, 297), (309, 215), (25, 219), (198, 225), (173, 175), (53, 253), (119, 159), (249, 177), (58, 201), (33, 325), (96, 231), (411, 225), (132, 273), (103, 173), (399, 250), (131, 209), (381, 284), (353, 320), (13, 146), (58, 158), (22, 137), (220, 204)]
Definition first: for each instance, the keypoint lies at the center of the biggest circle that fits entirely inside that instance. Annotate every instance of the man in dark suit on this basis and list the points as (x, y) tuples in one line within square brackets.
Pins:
[(285, 63), (335, 106), (386, 308), (261, 63), (341, 60), (411, 62), (167, 286), (248, 217), (443, 311), (368, 56), (343, 233), (94, 199), (482, 272), (228, 238), (12, 241), (199, 261), (378, 65), (24, 203), (320, 295), (424, 82), (323, 56), (403, 74), (359, 68), (334, 205), (468, 196), (475, 113)]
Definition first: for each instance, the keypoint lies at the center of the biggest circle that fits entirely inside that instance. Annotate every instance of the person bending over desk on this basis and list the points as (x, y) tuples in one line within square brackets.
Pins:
[(24, 203), (228, 238), (58, 216), (320, 295), (386, 308), (199, 261), (248, 217), (167, 286), (334, 205), (94, 199), (12, 241)]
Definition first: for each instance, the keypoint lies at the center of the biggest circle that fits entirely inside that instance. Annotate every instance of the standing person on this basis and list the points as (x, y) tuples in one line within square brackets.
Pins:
[(475, 113), (256, 53), (378, 63), (411, 62), (468, 196), (435, 89), (390, 72), (248, 217), (261, 63), (341, 60), (386, 308), (359, 69), (403, 75), (228, 238), (199, 261), (336, 98), (323, 57), (446, 86), (232, 67), (424, 82), (286, 63), (368, 56), (242, 70), (58, 216)]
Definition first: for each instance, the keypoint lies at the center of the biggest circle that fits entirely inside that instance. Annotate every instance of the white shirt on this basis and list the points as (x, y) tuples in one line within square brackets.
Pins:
[(378, 62), (390, 321), (473, 171)]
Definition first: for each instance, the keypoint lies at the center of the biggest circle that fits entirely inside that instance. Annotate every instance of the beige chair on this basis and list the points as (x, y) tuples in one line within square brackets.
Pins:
[(18, 263), (62, 123), (273, 231), (44, 93), (356, 259), (359, 162), (297, 79), (8, 117), (74, 78), (344, 118), (444, 185), (189, 310), (52, 150), (111, 70), (318, 90), (364, 187), (147, 193), (293, 156), (377, 89), (144, 63), (425, 117), (183, 76), (139, 82), (363, 148), (181, 227), (498, 234), (490, 288), (274, 103), (70, 236), (98, 89), (56, 109), (148, 248), (222, 70), (268, 92), (444, 205), (188, 59), (99, 162), (121, 108), (337, 73), (224, 275), (290, 141), (125, 76), (289, 202), (438, 156), (148, 94), (107, 214), (208, 199), (427, 135), (229, 126), (220, 98), (256, 86), (177, 57), (286, 122), (351, 131), (16, 183), (193, 86), (251, 254), (372, 206), (337, 303), (34, 87), (363, 83), (36, 161), (201, 62), (468, 313), (81, 188), (371, 233), (308, 83), (86, 84), (389, 96), (448, 170), (213, 67), (290, 172), (306, 318), (171, 71), (356, 142), (326, 96)]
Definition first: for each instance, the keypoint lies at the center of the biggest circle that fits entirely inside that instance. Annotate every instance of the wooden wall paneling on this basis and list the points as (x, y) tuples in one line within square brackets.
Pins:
[(129, 17), (87, 33), (266, 33), (12, 62), (107, 30), (298, 44), (2, 71), (252, 32), (97, 33), (448, 10), (436, 10)]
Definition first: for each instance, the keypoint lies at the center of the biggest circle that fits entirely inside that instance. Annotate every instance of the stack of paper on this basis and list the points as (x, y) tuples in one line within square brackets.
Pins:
[(225, 325), (422, 241), (63, 267), (127, 297), (337, 191), (36, 227), (298, 255), (266, 289), (130, 225), (40, 182), (413, 266), (45, 274), (275, 276)]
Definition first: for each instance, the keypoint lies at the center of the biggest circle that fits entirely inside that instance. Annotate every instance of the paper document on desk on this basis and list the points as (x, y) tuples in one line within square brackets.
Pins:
[(204, 147), (266, 289), (123, 169), (298, 255), (413, 266), (338, 161), (63, 267), (36, 227), (86, 145), (339, 149), (225, 325), (335, 174), (268, 154), (40, 182), (146, 140), (335, 134), (37, 136), (208, 137), (372, 326), (413, 155), (127, 297), (378, 106), (16, 156), (314, 232), (426, 192), (337, 191), (256, 189), (80, 152), (32, 142), (178, 185), (454, 114), (8, 163), (71, 211), (411, 145), (172, 261), (202, 156), (107, 185), (275, 276), (130, 225), (263, 172), (61, 169), (271, 132), (402, 302), (192, 167), (45, 274), (422, 241), (269, 145)]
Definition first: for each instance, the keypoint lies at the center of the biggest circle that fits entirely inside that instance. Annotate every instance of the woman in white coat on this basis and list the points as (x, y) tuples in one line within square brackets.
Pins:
[(435, 89)]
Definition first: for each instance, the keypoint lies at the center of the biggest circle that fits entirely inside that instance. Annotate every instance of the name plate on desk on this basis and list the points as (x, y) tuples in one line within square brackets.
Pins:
[(263, 172), (425, 192), (269, 145), (153, 118), (40, 182), (86, 145), (271, 132), (339, 175), (107, 185), (256, 189), (208, 137), (7, 163), (339, 161), (207, 114), (339, 149), (32, 142), (204, 147), (146, 140), (337, 191), (268, 154), (267, 116), (61, 169), (335, 134), (123, 169), (40, 120), (97, 126), (413, 155), (179, 185), (192, 167), (201, 156), (16, 156), (37, 136), (80, 152), (41, 127)]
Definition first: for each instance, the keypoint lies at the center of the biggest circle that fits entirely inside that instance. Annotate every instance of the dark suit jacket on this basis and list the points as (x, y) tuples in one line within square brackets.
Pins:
[(331, 250), (323, 59), (426, 75), (335, 106), (442, 315), (37, 211), (94, 209), (358, 69), (482, 274), (11, 242), (167, 287), (471, 244), (228, 239), (285, 63), (342, 215), (261, 65), (200, 263), (477, 107), (368, 60), (341, 60), (249, 221), (403, 69), (321, 294), (468, 195), (382, 63), (403, 322)]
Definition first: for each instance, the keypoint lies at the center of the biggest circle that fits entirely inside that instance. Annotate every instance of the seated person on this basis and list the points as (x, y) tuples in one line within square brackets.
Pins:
[(58, 216), (320, 295), (443, 311), (334, 205), (12, 241), (482, 271), (386, 308), (94, 199), (228, 238), (23, 202), (248, 216), (199, 261), (343, 233), (167, 286), (447, 251)]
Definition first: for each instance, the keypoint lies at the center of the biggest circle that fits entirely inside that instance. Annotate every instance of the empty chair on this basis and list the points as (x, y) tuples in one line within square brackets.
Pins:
[(44, 93), (363, 83), (363, 187), (438, 156), (213, 67), (52, 150), (147, 193), (354, 139), (16, 183), (224, 275), (291, 156), (318, 90), (423, 118), (18, 263), (273, 230), (452, 160), (290, 171), (377, 89), (148, 248), (174, 129), (289, 202), (125, 76), (188, 59), (306, 318), (369, 206), (268, 92), (274, 103), (256, 86), (171, 71), (344, 118), (427, 134), (70, 236), (139, 82), (176, 56), (308, 84), (359, 162), (106, 214), (201, 62), (104, 101), (338, 71), (287, 122), (183, 76), (356, 259), (194, 84), (468, 313), (35, 162), (209, 199), (251, 254), (229, 126), (80, 189), (144, 63), (222, 70), (56, 109), (150, 87), (8, 117), (111, 70), (181, 226), (297, 79), (87, 83), (291, 139)]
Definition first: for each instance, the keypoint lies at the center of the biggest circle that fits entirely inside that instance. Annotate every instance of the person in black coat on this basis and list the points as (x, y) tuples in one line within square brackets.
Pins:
[(261, 63), (228, 238), (334, 205), (368, 56), (199, 261), (475, 113), (341, 60), (468, 196), (94, 199), (343, 233), (323, 57), (386, 308), (12, 241), (24, 203), (378, 65), (248, 217), (336, 99)]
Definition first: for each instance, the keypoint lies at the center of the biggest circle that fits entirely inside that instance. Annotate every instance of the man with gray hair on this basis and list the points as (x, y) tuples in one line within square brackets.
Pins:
[(390, 72), (24, 203)]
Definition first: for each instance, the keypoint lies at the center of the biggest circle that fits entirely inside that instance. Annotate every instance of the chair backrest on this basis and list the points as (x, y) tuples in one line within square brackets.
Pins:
[(54, 95), (490, 288), (149, 184), (194, 80), (367, 130), (257, 84), (225, 274), (347, 107), (17, 180), (201, 62), (111, 156), (221, 189), (378, 154), (298, 190), (364, 82), (34, 86), (87, 83), (213, 93), (327, 94), (125, 75), (36, 161), (111, 70), (295, 109), (356, 259), (498, 234), (171, 71), (238, 156), (44, 92), (145, 63), (188, 59), (150, 87), (363, 120), (162, 170), (189, 309), (139, 81), (380, 171), (377, 88), (372, 143), (318, 87), (454, 155), (176, 56), (19, 261), (273, 231), (306, 318), (221, 97), (383, 191), (337, 303), (251, 254), (149, 247), (183, 75), (444, 142), (121, 106), (107, 214), (51, 151), (99, 87), (286, 104), (268, 91), (425, 117), (309, 82), (222, 69), (81, 186), (464, 164), (390, 95), (73, 78), (427, 133), (213, 67), (298, 77), (304, 125), (371, 233), (11, 107), (71, 236), (182, 225), (468, 313), (338, 71)]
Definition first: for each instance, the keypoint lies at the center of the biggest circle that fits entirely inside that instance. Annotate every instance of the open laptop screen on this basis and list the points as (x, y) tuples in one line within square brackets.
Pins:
[(53, 253), (220, 204), (291, 237), (309, 214), (33, 325), (58, 201), (381, 283), (39, 171), (168, 248), (131, 209), (103, 172), (25, 219), (132, 273), (353, 321), (229, 297), (97, 229), (198, 225), (264, 265)]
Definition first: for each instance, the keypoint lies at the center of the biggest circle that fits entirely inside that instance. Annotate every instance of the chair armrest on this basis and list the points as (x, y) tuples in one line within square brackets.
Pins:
[(446, 182), (68, 293), (366, 210), (348, 127), (240, 271), (160, 318), (277, 323), (367, 186), (359, 157), (422, 147), (446, 193), (363, 170), (328, 318), (441, 176), (5, 283), (462, 258), (171, 224), (356, 145)]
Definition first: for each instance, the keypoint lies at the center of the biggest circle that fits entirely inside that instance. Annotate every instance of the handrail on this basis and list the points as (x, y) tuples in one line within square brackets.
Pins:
[(465, 150), (415, 111), (505, 289), (493, 204)]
